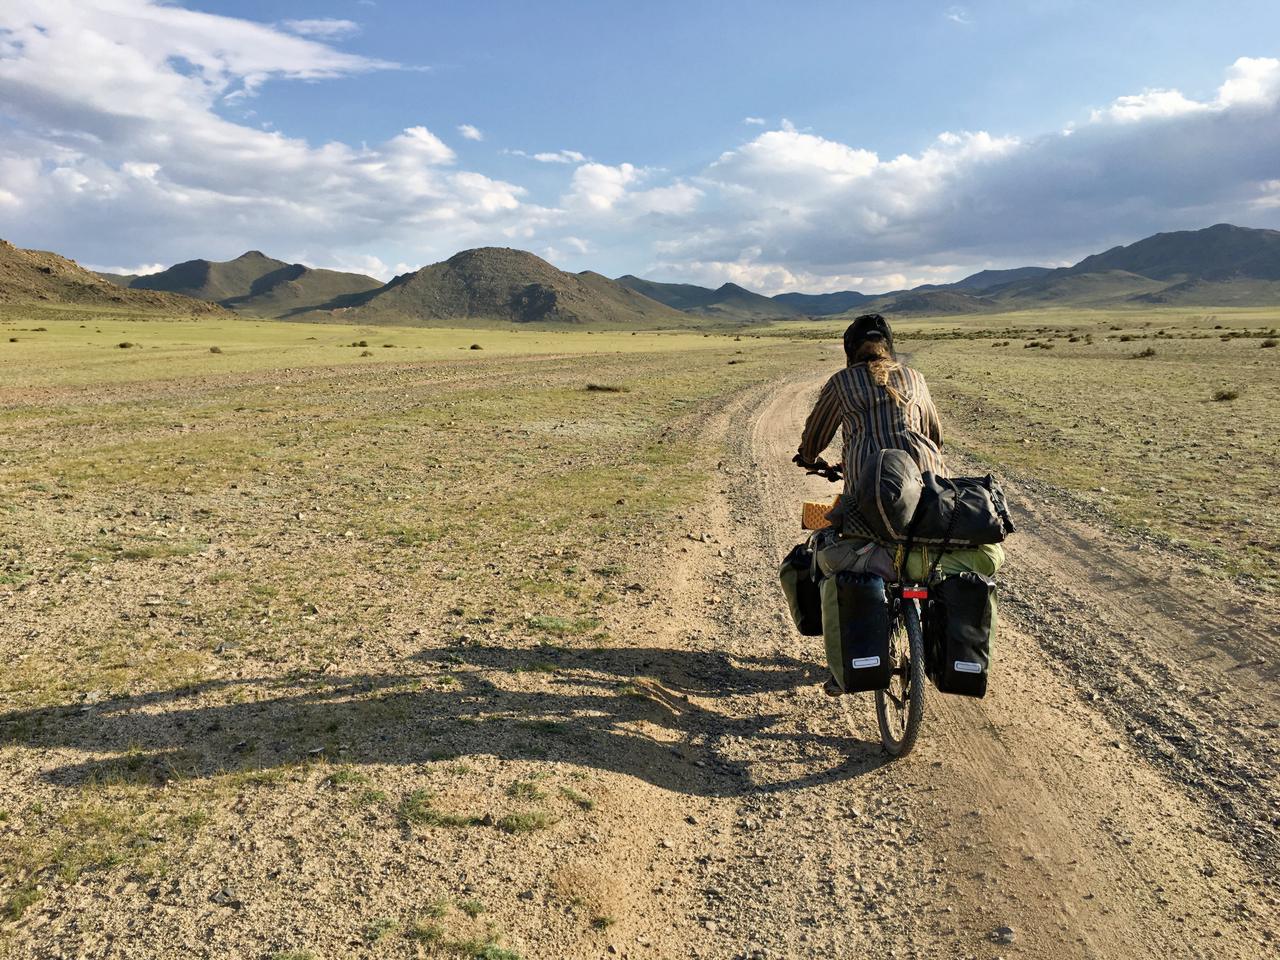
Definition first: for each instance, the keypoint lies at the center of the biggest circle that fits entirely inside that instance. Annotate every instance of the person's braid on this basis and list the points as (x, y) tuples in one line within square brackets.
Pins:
[(881, 365)]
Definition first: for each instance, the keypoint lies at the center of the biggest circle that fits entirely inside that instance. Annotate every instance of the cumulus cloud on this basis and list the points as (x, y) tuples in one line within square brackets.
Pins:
[(598, 188), (326, 28), (469, 132), (790, 208), (117, 135)]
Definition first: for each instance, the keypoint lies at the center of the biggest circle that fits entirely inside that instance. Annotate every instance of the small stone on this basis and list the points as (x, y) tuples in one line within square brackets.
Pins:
[(225, 898), (1002, 935)]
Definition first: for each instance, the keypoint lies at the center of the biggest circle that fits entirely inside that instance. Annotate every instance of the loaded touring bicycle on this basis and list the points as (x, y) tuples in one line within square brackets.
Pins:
[(903, 589)]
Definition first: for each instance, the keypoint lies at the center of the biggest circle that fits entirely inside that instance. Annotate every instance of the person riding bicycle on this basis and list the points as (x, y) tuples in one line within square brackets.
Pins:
[(878, 402)]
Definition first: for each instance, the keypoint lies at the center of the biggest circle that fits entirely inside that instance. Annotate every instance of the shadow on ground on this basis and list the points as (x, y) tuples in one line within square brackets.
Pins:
[(650, 713)]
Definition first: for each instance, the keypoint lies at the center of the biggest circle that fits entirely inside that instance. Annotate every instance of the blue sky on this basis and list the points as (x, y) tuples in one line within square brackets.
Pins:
[(802, 145)]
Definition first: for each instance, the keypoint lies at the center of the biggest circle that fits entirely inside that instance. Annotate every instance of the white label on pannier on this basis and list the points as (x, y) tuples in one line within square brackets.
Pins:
[(968, 666), (863, 663)]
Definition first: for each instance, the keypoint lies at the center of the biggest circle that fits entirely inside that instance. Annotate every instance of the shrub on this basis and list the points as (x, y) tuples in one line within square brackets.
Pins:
[(1149, 352), (606, 388), (476, 346), (125, 344), (1221, 395), (1268, 343), (215, 349)]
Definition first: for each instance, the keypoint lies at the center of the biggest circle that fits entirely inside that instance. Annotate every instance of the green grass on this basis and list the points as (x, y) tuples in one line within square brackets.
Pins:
[(380, 929), (416, 808), (577, 797), (525, 790), (527, 821)]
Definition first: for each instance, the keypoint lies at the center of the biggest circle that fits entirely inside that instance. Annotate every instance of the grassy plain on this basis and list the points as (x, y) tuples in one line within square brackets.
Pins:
[(311, 599)]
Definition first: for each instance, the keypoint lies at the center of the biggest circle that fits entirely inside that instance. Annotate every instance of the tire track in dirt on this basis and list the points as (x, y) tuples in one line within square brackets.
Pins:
[(1028, 809)]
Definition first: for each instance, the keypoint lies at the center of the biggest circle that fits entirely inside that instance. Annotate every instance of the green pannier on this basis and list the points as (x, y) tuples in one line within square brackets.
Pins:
[(959, 631), (986, 560), (801, 590), (855, 628)]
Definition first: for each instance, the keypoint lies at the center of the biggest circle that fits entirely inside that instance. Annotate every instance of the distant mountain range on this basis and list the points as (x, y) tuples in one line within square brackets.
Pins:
[(729, 301), (252, 283), (1222, 265)]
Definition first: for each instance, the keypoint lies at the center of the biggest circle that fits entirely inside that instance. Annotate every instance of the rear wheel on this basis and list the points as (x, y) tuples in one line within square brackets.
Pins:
[(900, 708)]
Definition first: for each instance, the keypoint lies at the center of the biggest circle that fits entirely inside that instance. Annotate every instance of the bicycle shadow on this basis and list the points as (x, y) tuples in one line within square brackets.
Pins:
[(646, 712)]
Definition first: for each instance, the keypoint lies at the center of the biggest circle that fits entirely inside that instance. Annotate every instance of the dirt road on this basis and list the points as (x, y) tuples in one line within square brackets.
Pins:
[(1111, 797)]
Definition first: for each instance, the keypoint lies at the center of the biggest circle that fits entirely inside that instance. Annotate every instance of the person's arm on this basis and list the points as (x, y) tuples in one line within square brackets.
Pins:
[(932, 423), (820, 428)]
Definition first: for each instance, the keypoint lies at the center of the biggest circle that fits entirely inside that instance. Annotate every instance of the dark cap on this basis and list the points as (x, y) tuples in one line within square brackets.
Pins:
[(869, 326)]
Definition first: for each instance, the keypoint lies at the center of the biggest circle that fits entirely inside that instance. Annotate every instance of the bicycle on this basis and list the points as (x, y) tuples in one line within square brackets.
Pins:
[(900, 706)]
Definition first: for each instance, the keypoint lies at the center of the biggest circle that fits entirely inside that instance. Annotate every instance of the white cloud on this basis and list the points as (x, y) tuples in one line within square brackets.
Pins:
[(469, 132), (958, 15), (116, 135), (326, 28), (1251, 81), (790, 207), (550, 156), (142, 270), (596, 187), (1147, 105), (754, 121)]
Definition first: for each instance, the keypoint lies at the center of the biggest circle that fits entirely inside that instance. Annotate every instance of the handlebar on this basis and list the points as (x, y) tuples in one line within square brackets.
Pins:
[(834, 472)]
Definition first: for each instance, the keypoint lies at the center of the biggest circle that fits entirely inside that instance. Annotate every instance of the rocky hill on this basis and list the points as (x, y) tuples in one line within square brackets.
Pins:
[(498, 284), (37, 276), (253, 283)]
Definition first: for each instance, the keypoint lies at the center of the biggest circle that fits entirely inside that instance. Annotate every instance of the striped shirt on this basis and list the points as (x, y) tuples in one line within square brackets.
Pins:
[(872, 420)]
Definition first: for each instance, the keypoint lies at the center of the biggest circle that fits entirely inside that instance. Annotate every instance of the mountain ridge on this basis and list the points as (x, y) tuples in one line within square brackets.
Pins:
[(254, 283), (498, 284), (1218, 265)]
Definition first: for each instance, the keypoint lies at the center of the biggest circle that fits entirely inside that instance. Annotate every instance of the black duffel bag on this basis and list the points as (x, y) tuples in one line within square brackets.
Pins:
[(801, 590), (960, 624), (960, 512), (899, 504)]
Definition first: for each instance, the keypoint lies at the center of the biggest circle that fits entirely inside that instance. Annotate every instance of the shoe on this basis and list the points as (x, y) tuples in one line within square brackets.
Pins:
[(831, 688)]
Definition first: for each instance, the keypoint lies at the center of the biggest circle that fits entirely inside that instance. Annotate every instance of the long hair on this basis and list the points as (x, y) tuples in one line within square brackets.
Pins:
[(881, 364)]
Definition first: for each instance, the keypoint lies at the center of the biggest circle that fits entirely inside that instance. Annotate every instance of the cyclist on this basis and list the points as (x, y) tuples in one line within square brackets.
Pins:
[(879, 403)]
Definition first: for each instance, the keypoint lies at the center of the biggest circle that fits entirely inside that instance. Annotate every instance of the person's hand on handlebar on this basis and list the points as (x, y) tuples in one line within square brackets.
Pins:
[(833, 472)]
